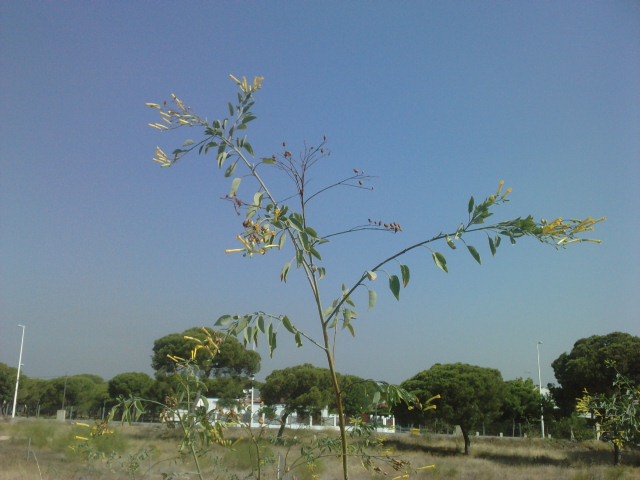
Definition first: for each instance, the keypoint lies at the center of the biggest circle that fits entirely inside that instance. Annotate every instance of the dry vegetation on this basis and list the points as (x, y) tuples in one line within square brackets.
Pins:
[(39, 449)]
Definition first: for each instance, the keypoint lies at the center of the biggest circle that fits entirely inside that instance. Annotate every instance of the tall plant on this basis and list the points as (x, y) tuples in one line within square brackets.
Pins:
[(271, 220)]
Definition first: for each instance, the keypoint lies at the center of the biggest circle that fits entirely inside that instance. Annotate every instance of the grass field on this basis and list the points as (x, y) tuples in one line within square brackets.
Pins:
[(40, 449)]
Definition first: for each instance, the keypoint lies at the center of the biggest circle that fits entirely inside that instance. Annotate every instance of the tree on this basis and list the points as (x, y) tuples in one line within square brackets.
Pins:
[(130, 384), (360, 396), (521, 402), (82, 395), (232, 360), (7, 387), (273, 220), (585, 367), (303, 389), (617, 413), (469, 396)]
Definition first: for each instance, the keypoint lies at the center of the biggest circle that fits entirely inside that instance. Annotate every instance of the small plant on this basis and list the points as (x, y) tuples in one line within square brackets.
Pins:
[(272, 220), (617, 414)]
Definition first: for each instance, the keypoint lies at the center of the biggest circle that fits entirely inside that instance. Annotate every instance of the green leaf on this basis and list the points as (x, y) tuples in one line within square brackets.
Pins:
[(271, 335), (471, 205), (406, 275), (188, 143), (296, 221), (474, 253), (498, 240), (298, 338), (351, 330), (224, 321), (261, 323), (235, 184), (247, 146), (304, 238), (222, 156), (285, 272), (268, 161), (231, 169), (288, 325), (451, 243), (311, 232), (248, 335), (230, 109), (315, 253), (440, 261), (283, 239), (492, 246), (346, 317), (394, 285), (242, 324), (373, 299), (209, 146)]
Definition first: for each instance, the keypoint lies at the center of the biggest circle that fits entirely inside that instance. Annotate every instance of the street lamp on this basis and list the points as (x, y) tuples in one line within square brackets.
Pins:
[(540, 390), (15, 395)]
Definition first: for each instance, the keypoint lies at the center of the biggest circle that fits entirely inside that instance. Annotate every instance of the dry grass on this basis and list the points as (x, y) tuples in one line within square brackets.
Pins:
[(39, 449)]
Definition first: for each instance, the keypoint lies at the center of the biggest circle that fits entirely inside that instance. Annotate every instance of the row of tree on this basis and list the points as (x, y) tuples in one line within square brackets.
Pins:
[(471, 397)]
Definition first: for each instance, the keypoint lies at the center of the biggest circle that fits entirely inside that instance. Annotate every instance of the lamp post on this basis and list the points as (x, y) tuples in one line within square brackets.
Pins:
[(540, 390), (15, 395)]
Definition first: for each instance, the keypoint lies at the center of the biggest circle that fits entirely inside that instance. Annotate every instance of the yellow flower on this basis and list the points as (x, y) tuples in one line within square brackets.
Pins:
[(186, 337), (161, 158), (500, 187)]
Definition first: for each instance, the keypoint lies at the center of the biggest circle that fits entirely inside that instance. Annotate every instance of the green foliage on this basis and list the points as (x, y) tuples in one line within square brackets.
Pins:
[(7, 382), (522, 400), (130, 384), (617, 413), (586, 366), (469, 395), (303, 389), (233, 360)]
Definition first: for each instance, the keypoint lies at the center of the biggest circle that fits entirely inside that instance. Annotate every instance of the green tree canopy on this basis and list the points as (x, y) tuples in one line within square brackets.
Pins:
[(469, 395), (233, 359), (522, 401), (358, 395), (586, 366), (82, 395), (130, 384), (7, 384), (303, 389)]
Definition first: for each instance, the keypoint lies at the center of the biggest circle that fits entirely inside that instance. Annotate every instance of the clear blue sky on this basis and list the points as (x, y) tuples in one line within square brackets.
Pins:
[(102, 251)]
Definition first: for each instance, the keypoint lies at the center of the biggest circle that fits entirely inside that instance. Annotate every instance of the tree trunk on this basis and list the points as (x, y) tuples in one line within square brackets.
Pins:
[(283, 424), (467, 440), (617, 454)]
